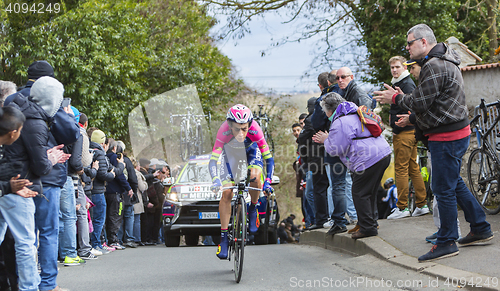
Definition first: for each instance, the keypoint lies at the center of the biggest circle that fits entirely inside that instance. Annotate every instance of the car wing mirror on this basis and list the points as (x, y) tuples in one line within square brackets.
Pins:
[(168, 181)]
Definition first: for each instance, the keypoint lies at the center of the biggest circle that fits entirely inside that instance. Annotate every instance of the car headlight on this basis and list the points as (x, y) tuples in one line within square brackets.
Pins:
[(173, 197)]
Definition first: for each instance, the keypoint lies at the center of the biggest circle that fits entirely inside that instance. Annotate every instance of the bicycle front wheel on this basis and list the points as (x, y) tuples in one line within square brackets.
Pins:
[(482, 173), (240, 236)]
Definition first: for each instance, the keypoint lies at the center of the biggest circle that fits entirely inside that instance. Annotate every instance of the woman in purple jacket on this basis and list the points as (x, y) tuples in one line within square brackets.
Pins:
[(365, 155)]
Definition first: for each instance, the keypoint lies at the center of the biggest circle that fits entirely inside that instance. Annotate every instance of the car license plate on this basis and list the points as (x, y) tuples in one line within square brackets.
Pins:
[(208, 215)]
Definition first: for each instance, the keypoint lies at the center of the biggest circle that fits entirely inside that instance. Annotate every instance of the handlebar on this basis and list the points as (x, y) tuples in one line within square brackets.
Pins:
[(246, 188), (483, 107)]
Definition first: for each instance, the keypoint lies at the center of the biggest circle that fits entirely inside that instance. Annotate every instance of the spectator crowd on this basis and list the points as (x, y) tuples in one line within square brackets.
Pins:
[(340, 163), (68, 193)]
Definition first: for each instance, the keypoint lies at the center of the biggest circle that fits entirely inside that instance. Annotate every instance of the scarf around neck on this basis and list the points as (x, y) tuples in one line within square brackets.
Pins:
[(403, 75)]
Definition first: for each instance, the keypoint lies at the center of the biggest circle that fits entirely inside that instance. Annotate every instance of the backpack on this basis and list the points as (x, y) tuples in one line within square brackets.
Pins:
[(370, 120)]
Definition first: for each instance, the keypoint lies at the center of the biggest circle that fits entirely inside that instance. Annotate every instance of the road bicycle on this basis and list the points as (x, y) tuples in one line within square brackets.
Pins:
[(191, 133), (263, 120), (238, 226), (483, 167), (423, 164)]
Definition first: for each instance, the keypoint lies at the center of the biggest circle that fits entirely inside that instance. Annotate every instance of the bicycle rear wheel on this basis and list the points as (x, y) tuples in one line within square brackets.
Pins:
[(240, 236), (482, 173)]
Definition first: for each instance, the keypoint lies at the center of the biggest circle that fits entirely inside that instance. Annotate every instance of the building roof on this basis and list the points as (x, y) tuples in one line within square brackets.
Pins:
[(480, 67)]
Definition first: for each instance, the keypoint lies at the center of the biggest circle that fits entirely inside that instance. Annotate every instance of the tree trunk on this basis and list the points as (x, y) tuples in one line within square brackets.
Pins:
[(492, 26)]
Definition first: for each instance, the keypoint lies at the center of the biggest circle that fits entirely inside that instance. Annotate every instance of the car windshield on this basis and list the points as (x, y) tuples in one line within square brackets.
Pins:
[(195, 172)]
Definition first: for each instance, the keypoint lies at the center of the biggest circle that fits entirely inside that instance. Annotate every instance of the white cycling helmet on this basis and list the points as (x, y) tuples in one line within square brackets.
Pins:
[(240, 114)]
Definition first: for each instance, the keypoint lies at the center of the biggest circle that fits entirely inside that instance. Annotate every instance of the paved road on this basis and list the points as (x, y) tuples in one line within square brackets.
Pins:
[(272, 267)]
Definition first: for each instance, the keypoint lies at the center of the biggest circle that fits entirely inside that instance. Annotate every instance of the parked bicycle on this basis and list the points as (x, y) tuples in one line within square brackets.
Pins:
[(263, 120), (191, 133), (423, 163), (483, 168), (238, 226)]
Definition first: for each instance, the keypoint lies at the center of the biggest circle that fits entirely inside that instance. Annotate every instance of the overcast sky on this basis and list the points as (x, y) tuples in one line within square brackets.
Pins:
[(281, 68)]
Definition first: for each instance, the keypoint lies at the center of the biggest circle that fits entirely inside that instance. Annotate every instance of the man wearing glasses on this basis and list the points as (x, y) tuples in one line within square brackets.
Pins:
[(439, 105), (353, 92)]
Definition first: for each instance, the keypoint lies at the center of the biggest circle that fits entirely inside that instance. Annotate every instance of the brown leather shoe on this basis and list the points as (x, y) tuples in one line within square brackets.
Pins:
[(353, 230), (359, 234)]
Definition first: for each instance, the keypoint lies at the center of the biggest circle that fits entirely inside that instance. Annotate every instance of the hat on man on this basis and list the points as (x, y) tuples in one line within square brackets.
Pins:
[(409, 62), (144, 162), (76, 112), (154, 161), (48, 93), (40, 69), (98, 136)]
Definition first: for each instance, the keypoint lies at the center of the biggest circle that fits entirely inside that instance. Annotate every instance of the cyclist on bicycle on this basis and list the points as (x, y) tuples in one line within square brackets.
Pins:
[(239, 130)]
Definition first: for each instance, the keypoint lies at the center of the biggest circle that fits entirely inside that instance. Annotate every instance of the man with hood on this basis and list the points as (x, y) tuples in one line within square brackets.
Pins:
[(32, 151), (441, 112)]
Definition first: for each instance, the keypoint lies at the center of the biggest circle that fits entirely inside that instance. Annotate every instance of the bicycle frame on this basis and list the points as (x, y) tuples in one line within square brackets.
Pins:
[(483, 143), (191, 139)]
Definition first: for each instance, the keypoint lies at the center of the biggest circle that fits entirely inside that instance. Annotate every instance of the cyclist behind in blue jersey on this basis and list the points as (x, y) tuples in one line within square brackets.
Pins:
[(239, 133)]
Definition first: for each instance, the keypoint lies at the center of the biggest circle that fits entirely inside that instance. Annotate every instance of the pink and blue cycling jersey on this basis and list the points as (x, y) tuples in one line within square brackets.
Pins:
[(255, 134)]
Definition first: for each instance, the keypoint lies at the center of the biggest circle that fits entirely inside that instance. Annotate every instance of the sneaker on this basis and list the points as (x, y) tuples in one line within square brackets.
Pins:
[(253, 217), (130, 244), (328, 224), (89, 256), (396, 213), (117, 246), (96, 252), (336, 229), (108, 248), (223, 247), (73, 261), (439, 252), (432, 238), (420, 211), (102, 250), (472, 238)]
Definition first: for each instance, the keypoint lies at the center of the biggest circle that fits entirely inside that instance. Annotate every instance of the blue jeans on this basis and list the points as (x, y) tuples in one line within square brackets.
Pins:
[(47, 223), (449, 188), (336, 175), (309, 194), (98, 218), (67, 220), (137, 227), (18, 214), (128, 224), (351, 210)]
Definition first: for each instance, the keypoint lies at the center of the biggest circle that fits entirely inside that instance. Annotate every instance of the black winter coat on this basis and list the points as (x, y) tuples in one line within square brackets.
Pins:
[(132, 180), (30, 150), (75, 161), (309, 151), (407, 86), (357, 95), (119, 184), (103, 173)]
